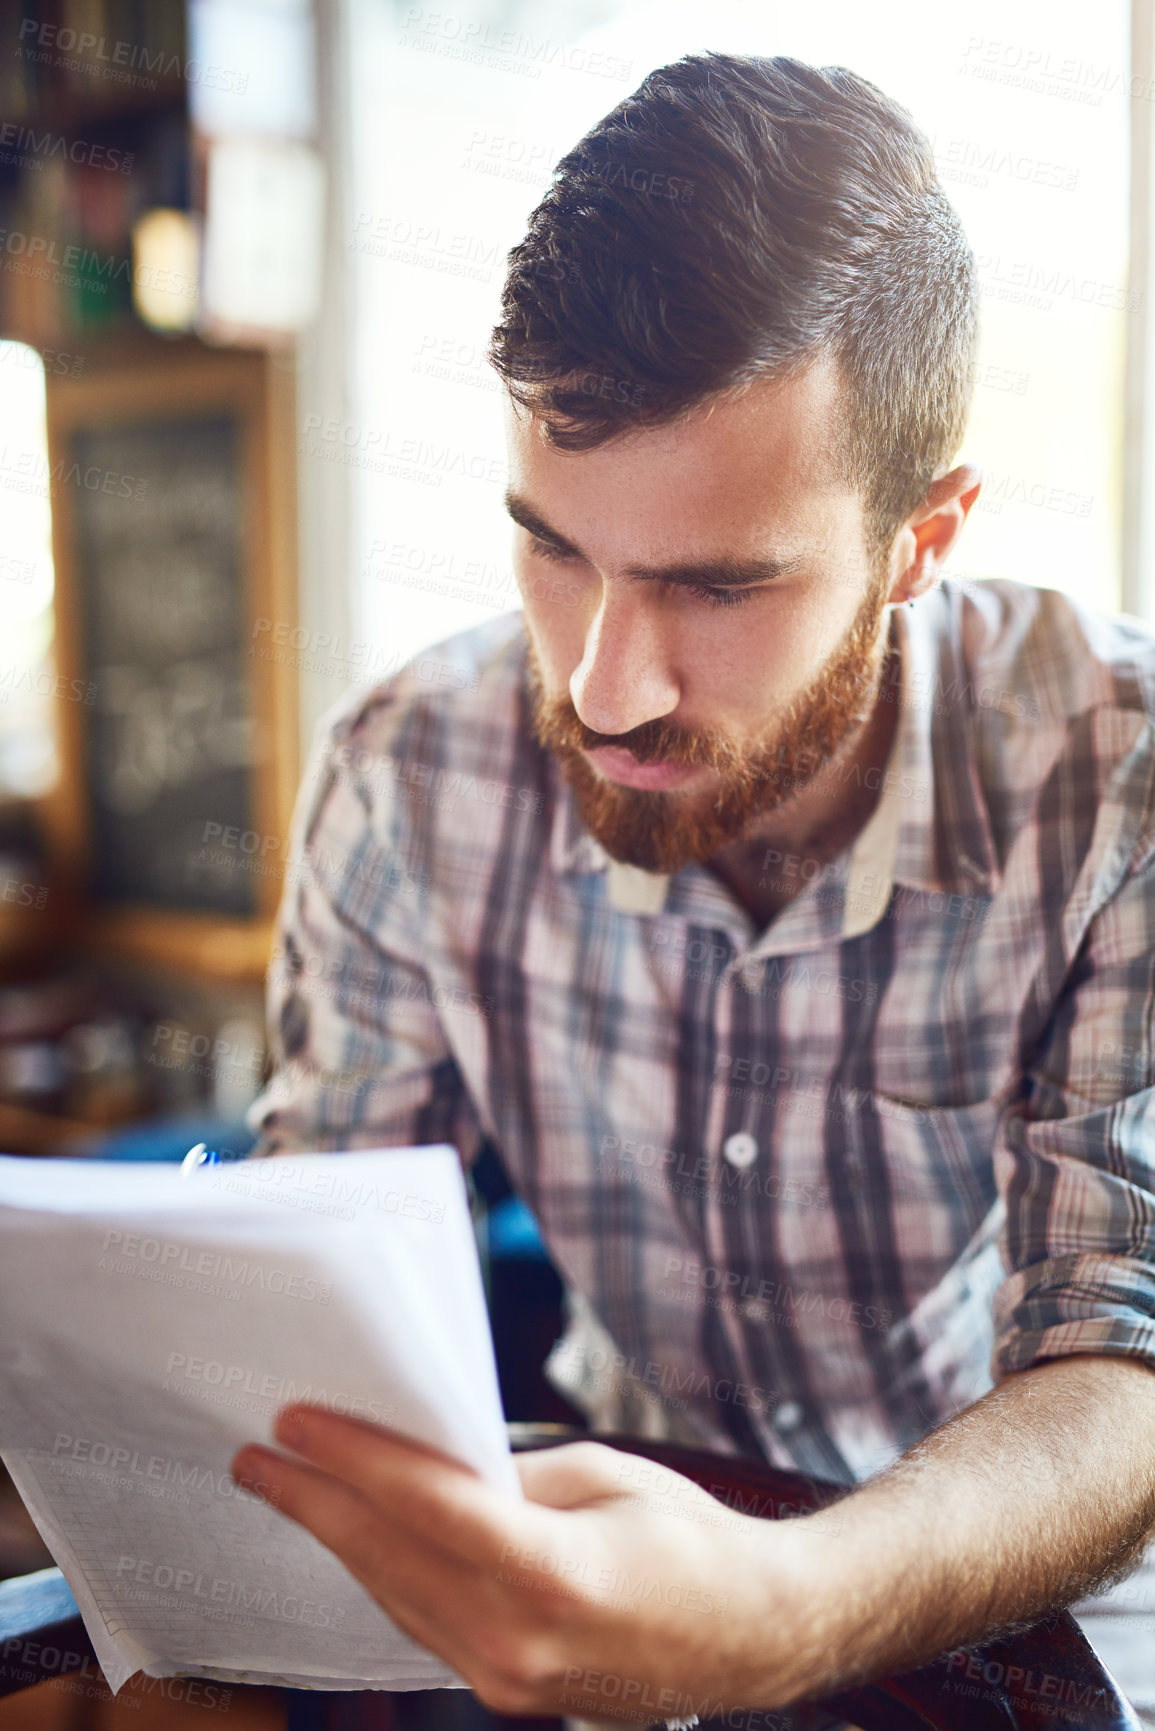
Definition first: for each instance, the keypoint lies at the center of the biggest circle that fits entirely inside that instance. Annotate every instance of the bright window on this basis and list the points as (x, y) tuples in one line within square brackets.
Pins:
[(458, 118), (28, 764)]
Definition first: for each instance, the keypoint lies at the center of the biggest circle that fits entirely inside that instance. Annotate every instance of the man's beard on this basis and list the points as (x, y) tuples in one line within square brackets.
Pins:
[(662, 832)]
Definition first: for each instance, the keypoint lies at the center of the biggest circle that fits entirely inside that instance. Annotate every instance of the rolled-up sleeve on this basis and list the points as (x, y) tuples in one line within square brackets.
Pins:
[(359, 1054), (1075, 1161)]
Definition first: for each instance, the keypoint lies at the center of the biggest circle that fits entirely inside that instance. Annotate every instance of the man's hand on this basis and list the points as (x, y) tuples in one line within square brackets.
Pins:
[(594, 1597), (616, 1589)]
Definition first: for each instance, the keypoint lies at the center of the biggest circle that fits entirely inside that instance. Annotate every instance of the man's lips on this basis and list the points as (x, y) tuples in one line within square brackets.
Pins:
[(619, 765)]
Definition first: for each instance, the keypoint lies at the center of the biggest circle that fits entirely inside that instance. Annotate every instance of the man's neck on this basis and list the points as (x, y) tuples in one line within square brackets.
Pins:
[(782, 851)]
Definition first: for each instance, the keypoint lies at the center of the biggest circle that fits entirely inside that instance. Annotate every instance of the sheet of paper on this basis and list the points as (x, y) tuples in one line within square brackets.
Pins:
[(154, 1321)]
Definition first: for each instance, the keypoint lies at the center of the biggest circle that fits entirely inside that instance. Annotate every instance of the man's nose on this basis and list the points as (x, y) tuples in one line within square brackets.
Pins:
[(624, 677)]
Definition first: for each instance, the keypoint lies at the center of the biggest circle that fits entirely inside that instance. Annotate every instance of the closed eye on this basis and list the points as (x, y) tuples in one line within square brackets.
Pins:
[(546, 550), (721, 597), (714, 597)]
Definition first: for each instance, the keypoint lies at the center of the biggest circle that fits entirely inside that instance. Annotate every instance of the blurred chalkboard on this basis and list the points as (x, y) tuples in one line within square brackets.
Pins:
[(159, 513)]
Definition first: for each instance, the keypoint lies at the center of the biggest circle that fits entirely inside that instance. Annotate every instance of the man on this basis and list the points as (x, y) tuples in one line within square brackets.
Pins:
[(784, 914)]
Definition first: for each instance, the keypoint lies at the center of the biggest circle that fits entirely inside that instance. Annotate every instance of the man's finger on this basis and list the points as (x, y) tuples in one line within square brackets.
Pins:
[(417, 1487), (466, 1614), (411, 1581), (571, 1475)]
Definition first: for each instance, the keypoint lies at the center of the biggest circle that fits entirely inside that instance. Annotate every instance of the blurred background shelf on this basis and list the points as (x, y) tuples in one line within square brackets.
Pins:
[(149, 756)]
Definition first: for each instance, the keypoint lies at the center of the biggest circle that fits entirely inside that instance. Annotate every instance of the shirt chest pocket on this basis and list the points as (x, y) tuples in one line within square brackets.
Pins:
[(922, 1176)]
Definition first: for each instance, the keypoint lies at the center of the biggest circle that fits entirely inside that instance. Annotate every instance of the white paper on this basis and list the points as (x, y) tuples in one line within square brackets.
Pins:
[(153, 1322)]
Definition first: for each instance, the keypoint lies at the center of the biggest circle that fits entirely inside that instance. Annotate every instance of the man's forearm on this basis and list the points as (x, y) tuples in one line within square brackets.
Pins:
[(1042, 1490)]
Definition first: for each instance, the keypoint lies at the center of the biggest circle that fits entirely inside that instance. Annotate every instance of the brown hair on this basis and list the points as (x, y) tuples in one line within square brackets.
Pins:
[(736, 217)]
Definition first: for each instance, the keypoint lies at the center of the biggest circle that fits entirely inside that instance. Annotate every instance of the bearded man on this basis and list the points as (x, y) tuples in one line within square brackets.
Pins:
[(783, 913)]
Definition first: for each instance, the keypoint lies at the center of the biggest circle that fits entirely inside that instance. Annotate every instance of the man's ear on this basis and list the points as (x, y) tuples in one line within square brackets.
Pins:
[(925, 540)]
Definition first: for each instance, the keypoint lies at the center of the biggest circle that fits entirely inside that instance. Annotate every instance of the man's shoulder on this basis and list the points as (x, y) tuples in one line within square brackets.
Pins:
[(464, 694), (1034, 653)]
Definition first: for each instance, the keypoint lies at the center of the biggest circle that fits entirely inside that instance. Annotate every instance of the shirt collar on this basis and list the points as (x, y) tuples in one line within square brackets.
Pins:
[(931, 828), (944, 836), (571, 846), (572, 849)]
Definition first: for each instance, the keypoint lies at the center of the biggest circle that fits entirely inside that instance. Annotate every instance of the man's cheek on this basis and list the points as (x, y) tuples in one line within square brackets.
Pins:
[(558, 635)]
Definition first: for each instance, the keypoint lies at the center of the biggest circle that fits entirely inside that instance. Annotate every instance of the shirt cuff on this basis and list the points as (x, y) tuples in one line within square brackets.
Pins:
[(1074, 1304)]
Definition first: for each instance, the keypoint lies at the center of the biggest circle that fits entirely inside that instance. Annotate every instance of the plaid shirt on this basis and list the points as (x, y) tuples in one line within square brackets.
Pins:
[(811, 1186)]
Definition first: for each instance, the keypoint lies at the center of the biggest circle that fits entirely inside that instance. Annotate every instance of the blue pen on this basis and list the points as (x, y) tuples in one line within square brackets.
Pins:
[(200, 1155)]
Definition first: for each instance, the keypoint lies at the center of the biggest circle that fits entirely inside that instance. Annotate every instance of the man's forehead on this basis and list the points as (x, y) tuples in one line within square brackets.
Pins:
[(790, 420), (760, 457)]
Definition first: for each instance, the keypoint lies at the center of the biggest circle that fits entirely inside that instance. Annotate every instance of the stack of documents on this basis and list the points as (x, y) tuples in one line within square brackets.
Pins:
[(154, 1322)]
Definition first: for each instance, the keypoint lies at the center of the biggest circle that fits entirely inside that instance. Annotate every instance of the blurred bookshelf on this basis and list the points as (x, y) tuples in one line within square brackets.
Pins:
[(117, 118), (95, 133)]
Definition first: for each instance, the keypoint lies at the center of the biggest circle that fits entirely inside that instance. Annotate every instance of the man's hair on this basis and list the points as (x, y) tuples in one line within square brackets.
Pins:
[(738, 217)]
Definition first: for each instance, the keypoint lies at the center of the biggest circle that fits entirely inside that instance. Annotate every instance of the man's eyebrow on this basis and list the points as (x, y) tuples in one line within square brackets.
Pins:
[(723, 573)]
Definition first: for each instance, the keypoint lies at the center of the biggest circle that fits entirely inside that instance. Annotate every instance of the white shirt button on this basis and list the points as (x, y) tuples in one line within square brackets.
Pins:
[(740, 1149), (788, 1415), (754, 1310)]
